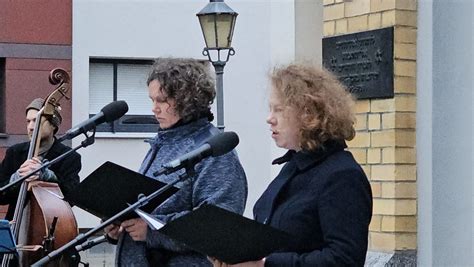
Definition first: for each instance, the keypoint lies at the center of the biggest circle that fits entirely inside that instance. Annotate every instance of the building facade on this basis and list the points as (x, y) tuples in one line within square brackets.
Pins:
[(416, 147)]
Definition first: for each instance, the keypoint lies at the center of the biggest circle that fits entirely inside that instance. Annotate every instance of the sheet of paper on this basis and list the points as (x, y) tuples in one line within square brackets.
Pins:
[(154, 223)]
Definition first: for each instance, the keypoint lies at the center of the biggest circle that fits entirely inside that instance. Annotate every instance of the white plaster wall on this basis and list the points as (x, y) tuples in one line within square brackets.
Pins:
[(444, 133), (424, 133), (264, 35), (308, 31)]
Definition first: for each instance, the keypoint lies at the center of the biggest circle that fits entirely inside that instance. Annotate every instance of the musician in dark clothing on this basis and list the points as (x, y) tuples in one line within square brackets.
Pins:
[(16, 165)]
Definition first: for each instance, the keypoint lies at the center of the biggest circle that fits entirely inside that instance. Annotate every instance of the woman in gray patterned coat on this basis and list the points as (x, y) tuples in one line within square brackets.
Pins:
[(181, 91)]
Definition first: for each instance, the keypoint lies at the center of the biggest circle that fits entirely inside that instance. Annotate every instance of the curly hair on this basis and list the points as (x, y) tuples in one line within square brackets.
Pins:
[(187, 81), (322, 104)]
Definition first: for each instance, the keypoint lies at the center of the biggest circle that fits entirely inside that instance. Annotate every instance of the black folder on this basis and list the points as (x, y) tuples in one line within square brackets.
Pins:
[(225, 235), (111, 188)]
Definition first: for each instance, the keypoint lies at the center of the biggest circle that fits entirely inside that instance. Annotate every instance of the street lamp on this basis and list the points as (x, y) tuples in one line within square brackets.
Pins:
[(217, 21)]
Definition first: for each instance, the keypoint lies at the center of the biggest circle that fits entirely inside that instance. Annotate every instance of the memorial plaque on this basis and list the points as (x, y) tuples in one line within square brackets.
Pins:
[(362, 61)]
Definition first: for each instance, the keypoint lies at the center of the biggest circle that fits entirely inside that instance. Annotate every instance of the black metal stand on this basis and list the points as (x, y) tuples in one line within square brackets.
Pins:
[(142, 200), (219, 64)]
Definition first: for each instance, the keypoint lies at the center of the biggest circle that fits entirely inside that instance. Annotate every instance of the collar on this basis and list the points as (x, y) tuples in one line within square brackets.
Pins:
[(26, 147), (304, 159), (179, 131)]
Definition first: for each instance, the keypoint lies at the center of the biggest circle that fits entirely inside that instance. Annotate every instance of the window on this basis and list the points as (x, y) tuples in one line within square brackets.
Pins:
[(121, 79)]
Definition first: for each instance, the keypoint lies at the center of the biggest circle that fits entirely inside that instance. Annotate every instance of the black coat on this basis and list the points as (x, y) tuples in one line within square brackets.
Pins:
[(67, 171), (324, 201)]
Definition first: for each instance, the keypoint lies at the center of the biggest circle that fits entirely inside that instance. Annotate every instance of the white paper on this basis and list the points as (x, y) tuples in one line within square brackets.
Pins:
[(153, 222)]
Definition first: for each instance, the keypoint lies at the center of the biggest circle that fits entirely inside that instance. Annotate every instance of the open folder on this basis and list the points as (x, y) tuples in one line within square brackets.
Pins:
[(225, 235), (111, 188)]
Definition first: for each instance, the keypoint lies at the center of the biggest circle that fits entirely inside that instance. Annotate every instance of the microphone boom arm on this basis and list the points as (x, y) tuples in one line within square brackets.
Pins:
[(81, 238), (88, 141)]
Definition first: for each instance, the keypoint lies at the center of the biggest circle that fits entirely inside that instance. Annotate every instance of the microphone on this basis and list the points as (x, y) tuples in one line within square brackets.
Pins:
[(109, 113), (217, 145), (91, 243)]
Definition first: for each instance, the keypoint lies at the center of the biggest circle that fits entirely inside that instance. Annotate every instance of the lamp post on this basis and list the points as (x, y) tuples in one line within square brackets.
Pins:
[(217, 21)]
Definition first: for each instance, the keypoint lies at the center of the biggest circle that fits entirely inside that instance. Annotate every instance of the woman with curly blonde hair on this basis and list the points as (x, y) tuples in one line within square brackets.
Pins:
[(319, 100), (321, 197)]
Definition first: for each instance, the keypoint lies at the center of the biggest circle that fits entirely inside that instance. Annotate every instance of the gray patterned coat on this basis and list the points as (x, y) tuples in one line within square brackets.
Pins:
[(219, 181)]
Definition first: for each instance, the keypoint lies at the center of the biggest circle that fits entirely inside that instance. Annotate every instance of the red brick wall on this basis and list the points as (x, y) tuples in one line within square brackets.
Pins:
[(36, 22), (27, 79)]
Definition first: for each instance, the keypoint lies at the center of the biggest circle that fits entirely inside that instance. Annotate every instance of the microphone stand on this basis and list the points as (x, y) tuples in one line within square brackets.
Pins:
[(142, 200), (88, 141), (91, 243)]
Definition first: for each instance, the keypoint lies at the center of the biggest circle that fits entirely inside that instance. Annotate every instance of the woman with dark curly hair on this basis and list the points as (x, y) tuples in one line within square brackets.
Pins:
[(321, 197), (181, 91)]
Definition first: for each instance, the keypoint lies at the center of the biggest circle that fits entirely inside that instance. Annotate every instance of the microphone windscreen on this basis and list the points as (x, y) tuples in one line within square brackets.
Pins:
[(114, 110), (222, 143)]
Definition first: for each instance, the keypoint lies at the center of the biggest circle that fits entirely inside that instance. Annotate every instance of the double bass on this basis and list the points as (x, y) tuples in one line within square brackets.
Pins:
[(43, 221)]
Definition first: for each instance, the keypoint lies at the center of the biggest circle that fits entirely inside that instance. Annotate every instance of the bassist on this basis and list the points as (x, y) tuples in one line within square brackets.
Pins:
[(15, 163)]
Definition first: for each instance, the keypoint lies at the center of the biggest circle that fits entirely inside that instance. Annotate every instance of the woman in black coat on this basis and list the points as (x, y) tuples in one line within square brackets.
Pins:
[(321, 197)]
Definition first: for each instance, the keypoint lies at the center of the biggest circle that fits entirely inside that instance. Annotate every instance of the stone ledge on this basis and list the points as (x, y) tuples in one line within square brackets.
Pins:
[(397, 258)]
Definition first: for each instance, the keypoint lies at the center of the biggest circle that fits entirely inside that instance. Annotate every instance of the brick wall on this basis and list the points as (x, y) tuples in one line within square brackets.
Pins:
[(385, 143), (3, 209)]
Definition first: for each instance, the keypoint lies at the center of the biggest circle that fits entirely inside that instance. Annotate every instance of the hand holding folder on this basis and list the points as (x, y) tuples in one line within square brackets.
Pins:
[(209, 230), (111, 188), (224, 235)]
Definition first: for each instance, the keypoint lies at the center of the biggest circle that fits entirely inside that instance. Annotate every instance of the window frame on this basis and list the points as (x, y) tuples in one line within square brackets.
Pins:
[(127, 123)]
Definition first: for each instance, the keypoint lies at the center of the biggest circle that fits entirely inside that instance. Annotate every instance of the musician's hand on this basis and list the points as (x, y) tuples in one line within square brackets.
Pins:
[(217, 263), (113, 231), (28, 166), (260, 263), (136, 228)]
